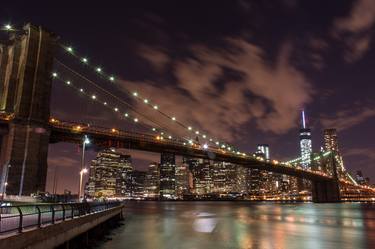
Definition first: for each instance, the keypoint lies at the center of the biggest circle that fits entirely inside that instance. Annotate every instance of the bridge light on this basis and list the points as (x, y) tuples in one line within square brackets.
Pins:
[(204, 136), (210, 139), (190, 141), (98, 69), (217, 143), (173, 118), (126, 115), (156, 107), (68, 82), (8, 27), (116, 109), (153, 129), (183, 143), (136, 120), (197, 132), (93, 97), (189, 128), (135, 94), (146, 101), (54, 75), (105, 103), (84, 60), (170, 137), (205, 146), (112, 78), (81, 90), (70, 49)]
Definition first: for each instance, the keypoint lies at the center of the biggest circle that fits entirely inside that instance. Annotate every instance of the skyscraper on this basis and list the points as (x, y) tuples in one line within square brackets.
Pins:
[(182, 180), (138, 184), (331, 144), (305, 143), (330, 140), (265, 150), (167, 176), (110, 175), (152, 181), (202, 176)]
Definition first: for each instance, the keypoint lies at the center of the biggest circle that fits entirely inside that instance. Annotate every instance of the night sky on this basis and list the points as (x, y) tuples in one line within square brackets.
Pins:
[(240, 70)]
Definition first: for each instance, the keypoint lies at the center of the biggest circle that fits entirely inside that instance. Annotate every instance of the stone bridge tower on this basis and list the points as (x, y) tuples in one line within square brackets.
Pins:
[(26, 61)]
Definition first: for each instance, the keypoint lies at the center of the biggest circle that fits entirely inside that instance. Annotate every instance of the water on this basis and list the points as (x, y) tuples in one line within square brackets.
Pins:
[(215, 225)]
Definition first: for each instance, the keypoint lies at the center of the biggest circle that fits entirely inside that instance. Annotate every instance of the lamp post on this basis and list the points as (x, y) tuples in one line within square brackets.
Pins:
[(5, 182), (83, 169)]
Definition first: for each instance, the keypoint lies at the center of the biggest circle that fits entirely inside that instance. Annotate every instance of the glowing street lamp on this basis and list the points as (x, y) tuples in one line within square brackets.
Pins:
[(81, 173), (85, 141)]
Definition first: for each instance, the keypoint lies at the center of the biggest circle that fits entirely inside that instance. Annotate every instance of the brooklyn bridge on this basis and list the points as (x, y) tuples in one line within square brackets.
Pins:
[(27, 72)]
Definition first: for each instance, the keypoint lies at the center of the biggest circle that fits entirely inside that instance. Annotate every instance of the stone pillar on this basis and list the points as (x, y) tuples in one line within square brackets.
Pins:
[(325, 191), (27, 90)]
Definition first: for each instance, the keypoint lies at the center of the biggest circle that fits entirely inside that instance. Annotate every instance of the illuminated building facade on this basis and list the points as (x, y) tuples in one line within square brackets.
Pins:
[(331, 144), (305, 143), (202, 176), (152, 181), (182, 180), (109, 175), (138, 179), (167, 176)]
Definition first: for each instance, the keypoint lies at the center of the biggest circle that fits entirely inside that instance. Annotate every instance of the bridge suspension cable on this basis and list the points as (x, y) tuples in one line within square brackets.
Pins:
[(122, 101), (111, 78), (115, 109)]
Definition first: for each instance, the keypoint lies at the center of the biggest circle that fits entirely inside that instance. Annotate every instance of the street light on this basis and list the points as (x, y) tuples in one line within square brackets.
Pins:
[(85, 141), (83, 171)]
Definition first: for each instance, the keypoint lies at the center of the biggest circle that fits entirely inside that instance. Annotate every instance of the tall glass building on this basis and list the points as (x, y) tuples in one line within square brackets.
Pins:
[(167, 176), (305, 143), (110, 175)]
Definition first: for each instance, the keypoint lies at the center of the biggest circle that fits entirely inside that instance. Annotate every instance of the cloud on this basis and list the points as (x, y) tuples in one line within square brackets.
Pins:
[(157, 58), (348, 118), (220, 90), (355, 29), (369, 153)]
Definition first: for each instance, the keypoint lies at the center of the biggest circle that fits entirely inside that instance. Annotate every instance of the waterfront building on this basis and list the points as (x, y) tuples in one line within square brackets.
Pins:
[(152, 181), (138, 179), (109, 175), (167, 176), (182, 180)]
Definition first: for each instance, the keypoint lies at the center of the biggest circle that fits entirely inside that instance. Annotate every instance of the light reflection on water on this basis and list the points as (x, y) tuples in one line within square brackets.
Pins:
[(244, 225)]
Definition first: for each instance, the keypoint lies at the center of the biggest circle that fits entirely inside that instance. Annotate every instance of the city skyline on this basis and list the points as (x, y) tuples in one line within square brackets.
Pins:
[(314, 78)]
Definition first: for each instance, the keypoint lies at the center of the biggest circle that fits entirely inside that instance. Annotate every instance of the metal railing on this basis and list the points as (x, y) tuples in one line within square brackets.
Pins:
[(17, 218)]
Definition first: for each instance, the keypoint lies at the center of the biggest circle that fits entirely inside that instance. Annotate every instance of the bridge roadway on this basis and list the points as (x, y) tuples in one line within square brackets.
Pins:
[(62, 131)]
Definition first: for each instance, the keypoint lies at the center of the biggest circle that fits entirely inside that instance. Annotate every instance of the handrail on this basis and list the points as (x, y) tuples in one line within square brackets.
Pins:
[(17, 218)]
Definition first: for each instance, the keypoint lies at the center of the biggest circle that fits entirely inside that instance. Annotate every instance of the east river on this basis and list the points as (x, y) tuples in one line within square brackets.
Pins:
[(215, 225)]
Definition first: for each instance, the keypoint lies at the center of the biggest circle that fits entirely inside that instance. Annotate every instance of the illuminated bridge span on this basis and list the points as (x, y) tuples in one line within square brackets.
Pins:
[(26, 128)]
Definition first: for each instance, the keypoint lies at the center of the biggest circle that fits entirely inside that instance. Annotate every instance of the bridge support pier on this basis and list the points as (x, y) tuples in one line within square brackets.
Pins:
[(25, 75), (325, 191)]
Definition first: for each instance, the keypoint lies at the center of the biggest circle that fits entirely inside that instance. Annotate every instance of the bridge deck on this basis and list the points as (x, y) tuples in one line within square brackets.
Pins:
[(73, 133)]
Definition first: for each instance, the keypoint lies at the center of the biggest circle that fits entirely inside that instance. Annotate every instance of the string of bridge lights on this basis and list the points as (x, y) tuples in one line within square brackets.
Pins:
[(114, 108), (120, 100), (111, 78)]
